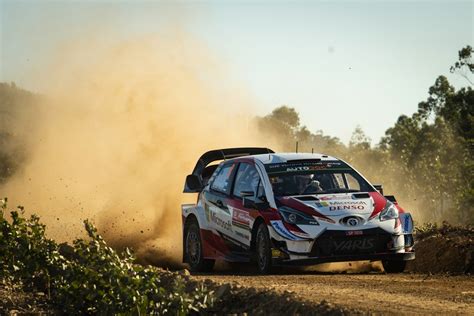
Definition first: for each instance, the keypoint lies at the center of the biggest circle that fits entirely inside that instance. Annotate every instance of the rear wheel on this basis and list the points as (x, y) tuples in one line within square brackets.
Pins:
[(263, 249), (194, 253), (394, 266)]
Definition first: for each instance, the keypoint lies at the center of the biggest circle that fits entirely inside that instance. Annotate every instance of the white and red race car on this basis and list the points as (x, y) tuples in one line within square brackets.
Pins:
[(289, 209)]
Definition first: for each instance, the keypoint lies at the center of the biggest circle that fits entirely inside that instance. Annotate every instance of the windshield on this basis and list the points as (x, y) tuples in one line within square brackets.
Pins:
[(315, 177)]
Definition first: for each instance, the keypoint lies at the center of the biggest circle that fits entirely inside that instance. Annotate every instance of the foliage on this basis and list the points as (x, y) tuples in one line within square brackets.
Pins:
[(464, 61), (283, 126), (89, 277), (16, 108)]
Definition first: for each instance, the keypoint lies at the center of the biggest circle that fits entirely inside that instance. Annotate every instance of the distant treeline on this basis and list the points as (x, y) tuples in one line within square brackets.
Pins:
[(18, 117), (424, 159)]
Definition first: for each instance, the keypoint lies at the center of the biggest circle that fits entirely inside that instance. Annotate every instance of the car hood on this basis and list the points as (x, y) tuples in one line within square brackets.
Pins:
[(332, 205)]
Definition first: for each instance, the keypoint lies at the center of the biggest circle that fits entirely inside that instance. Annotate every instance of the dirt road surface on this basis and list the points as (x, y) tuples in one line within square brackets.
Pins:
[(368, 292)]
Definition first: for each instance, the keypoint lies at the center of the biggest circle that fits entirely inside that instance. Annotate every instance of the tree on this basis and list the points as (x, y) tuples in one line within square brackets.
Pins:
[(17, 108), (286, 116), (436, 145), (359, 139), (283, 125), (464, 61)]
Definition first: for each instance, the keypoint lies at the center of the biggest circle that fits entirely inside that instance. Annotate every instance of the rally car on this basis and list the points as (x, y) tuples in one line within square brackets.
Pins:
[(254, 205)]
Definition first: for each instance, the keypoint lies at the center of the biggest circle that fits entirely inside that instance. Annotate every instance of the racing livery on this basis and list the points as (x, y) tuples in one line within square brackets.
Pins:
[(289, 209)]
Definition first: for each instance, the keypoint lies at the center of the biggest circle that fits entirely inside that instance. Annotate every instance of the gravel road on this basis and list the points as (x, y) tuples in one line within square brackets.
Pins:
[(373, 292)]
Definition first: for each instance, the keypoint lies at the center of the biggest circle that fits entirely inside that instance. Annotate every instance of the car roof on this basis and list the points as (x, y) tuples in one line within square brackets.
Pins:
[(285, 157)]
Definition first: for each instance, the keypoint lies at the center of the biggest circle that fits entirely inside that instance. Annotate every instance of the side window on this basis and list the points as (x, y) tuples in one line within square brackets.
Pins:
[(261, 191), (352, 182), (328, 181), (339, 180), (222, 181), (247, 179)]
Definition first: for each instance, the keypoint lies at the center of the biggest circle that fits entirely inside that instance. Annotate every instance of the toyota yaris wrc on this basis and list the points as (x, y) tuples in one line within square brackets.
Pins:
[(289, 209)]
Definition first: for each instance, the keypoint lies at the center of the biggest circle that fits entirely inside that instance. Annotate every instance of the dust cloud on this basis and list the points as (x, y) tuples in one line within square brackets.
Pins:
[(120, 128)]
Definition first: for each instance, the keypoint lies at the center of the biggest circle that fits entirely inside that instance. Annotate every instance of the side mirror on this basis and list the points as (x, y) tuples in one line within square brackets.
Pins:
[(379, 188), (253, 203), (193, 182)]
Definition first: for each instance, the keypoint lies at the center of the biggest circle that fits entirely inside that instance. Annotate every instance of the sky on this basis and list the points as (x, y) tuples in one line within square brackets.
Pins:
[(340, 64)]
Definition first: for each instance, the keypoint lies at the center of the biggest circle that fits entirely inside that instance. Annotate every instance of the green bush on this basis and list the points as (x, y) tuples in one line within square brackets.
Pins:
[(89, 277)]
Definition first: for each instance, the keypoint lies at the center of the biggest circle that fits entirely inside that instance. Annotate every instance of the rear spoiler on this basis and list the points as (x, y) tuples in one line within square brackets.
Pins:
[(193, 180)]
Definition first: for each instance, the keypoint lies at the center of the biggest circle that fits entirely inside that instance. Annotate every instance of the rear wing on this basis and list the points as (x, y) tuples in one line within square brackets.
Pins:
[(194, 181)]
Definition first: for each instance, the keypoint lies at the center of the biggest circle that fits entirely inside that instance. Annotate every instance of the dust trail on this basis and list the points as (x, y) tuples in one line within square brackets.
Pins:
[(122, 127)]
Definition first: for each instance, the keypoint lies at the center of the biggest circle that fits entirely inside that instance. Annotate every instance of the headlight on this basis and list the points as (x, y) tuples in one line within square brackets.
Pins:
[(293, 216), (389, 212)]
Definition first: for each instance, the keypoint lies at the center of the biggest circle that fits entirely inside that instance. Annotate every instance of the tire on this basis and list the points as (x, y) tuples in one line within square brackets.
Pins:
[(394, 266), (193, 244), (263, 250)]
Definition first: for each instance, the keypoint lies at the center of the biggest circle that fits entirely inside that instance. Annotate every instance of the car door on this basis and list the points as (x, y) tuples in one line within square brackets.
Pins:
[(218, 214), (246, 180)]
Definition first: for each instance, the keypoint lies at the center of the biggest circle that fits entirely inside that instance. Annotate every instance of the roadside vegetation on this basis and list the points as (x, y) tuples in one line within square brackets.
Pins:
[(16, 109), (89, 277), (39, 276)]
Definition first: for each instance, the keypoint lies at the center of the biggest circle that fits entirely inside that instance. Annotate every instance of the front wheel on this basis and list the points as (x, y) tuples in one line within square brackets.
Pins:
[(193, 246), (394, 266), (263, 249)]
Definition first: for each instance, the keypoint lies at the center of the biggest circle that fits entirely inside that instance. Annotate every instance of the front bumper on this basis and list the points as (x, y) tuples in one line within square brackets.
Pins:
[(342, 245)]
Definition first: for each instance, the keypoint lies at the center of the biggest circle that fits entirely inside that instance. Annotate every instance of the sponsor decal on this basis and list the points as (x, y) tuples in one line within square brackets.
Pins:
[(328, 220), (276, 253), (347, 205), (207, 212), (407, 223), (234, 241), (299, 234), (322, 204), (240, 225), (332, 197), (303, 167), (281, 229), (342, 205), (360, 244), (240, 216), (306, 168), (244, 236), (354, 232), (225, 224)]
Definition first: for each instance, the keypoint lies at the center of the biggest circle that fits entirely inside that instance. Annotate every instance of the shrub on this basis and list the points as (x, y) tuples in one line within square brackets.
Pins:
[(89, 277)]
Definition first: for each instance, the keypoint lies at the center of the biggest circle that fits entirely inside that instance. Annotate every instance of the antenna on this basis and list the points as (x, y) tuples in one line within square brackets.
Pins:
[(296, 147)]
